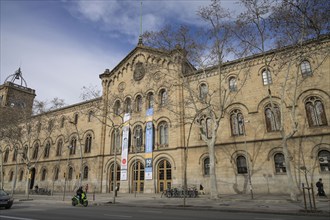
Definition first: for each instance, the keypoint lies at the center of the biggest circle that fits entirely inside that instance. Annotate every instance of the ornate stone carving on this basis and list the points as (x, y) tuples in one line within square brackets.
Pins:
[(121, 86), (139, 71)]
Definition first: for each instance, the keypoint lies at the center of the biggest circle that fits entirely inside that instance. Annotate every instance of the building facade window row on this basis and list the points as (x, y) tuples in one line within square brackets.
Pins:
[(278, 163), (127, 106)]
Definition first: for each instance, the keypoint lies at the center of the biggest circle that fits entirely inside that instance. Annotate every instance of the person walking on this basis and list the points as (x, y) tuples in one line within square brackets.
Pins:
[(320, 190), (86, 188)]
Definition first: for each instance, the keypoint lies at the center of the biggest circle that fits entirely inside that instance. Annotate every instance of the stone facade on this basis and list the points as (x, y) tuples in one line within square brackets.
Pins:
[(249, 140)]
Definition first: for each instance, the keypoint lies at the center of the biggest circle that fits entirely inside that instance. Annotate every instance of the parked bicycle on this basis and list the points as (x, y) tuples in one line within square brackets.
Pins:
[(180, 193), (40, 191)]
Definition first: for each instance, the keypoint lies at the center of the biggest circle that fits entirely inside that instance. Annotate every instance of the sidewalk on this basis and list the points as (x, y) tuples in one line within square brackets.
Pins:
[(275, 204)]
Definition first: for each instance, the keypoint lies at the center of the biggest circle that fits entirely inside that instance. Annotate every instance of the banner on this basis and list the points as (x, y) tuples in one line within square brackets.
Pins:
[(124, 153), (149, 145)]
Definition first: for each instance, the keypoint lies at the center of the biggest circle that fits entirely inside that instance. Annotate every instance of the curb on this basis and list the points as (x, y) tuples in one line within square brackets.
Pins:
[(212, 208)]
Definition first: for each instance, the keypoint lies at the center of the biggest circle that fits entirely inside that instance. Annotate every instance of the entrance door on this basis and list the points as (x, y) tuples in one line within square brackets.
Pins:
[(112, 177), (164, 175), (32, 175), (138, 177)]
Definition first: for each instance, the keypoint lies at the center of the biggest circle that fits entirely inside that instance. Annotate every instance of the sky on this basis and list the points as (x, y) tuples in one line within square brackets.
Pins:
[(62, 46)]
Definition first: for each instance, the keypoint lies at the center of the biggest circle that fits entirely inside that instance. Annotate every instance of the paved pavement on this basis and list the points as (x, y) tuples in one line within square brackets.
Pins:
[(276, 204)]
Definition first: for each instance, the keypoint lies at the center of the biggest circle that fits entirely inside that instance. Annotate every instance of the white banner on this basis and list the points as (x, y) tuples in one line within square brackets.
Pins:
[(124, 153)]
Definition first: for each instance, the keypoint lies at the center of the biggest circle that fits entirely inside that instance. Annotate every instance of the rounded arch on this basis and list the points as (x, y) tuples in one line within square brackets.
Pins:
[(265, 101), (303, 96), (59, 138), (161, 157), (238, 153), (317, 148), (46, 140), (203, 156), (274, 151), (237, 105), (87, 132), (139, 158), (109, 163), (161, 119), (263, 68)]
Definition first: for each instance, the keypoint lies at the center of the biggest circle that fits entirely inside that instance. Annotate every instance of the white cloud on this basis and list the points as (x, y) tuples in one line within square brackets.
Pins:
[(53, 63)]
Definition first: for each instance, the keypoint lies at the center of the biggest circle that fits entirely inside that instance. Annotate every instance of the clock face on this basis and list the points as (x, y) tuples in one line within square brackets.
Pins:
[(139, 71)]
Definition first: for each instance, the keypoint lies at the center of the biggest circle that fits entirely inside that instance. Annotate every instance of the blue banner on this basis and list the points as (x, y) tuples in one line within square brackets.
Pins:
[(149, 137)]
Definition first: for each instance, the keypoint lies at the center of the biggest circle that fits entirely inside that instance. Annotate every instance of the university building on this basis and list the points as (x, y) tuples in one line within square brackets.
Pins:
[(137, 132)]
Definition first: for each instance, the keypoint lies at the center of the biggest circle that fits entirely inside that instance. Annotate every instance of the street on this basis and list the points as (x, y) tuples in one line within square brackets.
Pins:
[(29, 210)]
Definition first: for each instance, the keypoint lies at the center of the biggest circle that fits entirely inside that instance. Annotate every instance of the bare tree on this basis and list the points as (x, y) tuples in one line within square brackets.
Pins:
[(263, 26)]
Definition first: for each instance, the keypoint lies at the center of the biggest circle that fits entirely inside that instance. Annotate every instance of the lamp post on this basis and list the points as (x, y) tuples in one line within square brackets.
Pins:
[(66, 175), (80, 146)]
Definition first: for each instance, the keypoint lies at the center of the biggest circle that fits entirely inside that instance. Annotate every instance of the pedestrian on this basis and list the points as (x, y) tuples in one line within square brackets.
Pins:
[(201, 189), (320, 190), (86, 188)]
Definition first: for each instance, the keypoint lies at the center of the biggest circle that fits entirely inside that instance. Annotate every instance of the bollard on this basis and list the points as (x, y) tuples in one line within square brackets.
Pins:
[(304, 196)]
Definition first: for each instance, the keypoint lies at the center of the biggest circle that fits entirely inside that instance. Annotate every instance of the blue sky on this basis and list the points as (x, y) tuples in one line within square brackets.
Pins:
[(64, 45)]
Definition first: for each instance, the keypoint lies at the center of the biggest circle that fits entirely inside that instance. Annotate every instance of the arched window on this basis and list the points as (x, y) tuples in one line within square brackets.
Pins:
[(76, 118), (90, 115), (279, 163), (138, 103), (70, 174), (115, 141), (35, 151), (138, 138), (206, 166), (324, 160), (25, 152), (47, 149), (266, 77), (315, 112), (21, 174), (273, 118), (50, 125), (206, 127), (232, 84), (85, 176), (306, 69), (116, 108), (241, 164), (56, 173), (163, 133), (88, 143), (128, 105), (237, 123), (43, 174), (59, 147), (150, 100), (15, 154), (164, 173), (203, 91), (5, 159), (11, 176), (73, 145), (62, 122), (163, 97)]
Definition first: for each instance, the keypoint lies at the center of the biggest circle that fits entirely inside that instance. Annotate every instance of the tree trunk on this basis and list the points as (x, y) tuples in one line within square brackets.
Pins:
[(213, 178), (291, 184)]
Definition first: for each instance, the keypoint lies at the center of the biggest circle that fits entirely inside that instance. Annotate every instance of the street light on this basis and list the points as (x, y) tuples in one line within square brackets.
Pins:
[(66, 175), (81, 161)]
